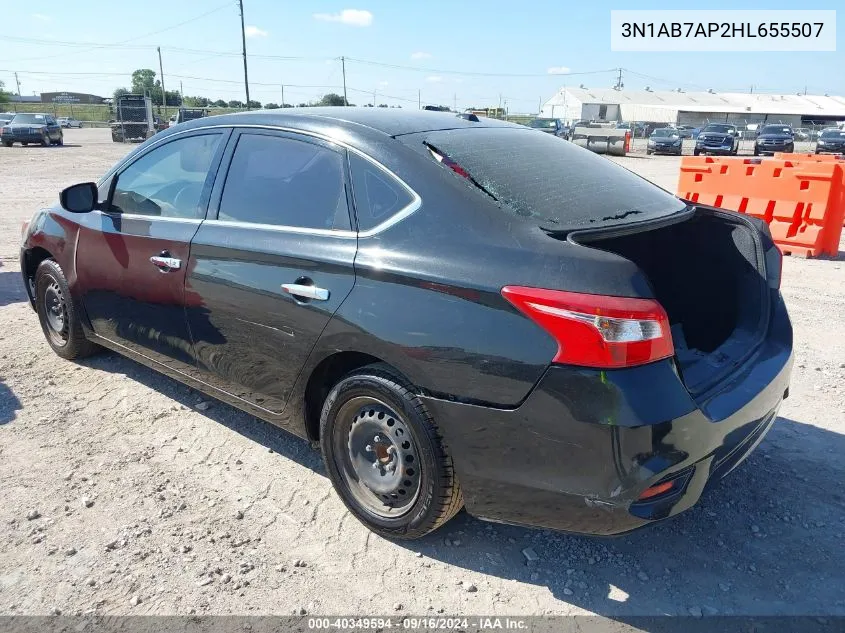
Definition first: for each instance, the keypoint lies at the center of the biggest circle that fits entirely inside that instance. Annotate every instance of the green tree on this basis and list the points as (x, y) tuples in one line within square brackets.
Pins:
[(255, 105), (287, 105), (144, 81), (120, 92), (4, 97), (195, 102), (220, 103), (271, 106), (234, 103), (332, 99)]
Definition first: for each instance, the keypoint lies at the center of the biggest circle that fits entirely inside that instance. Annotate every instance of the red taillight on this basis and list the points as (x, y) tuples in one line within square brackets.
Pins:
[(597, 330)]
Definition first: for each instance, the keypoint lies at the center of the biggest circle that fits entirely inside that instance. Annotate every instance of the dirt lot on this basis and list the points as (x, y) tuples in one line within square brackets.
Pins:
[(119, 497)]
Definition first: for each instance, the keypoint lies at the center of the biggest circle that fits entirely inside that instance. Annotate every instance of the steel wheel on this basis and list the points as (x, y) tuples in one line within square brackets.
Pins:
[(56, 313), (377, 457)]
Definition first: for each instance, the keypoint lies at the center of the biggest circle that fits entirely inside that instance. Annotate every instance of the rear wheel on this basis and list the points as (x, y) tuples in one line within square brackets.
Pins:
[(57, 314), (45, 141), (384, 455), (61, 140), (695, 152), (9, 144)]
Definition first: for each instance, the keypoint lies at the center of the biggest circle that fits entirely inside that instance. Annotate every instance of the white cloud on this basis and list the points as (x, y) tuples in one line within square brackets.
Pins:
[(353, 17), (254, 31), (42, 17), (420, 55), (558, 70), (435, 79)]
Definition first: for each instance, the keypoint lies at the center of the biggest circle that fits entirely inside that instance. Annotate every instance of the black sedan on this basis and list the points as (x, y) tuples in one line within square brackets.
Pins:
[(32, 128), (428, 300), (774, 138), (665, 140), (831, 141)]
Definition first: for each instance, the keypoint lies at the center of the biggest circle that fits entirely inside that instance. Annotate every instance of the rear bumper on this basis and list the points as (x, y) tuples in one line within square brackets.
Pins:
[(585, 444)]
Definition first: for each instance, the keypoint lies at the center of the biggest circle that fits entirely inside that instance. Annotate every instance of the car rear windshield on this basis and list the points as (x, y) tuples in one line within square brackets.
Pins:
[(666, 131), (30, 118), (548, 180), (541, 123)]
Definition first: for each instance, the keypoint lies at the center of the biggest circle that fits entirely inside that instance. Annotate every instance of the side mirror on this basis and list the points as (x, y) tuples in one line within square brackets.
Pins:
[(81, 198)]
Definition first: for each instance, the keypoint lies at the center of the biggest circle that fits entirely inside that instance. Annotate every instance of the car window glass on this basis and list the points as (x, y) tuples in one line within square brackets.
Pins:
[(285, 182), (168, 181), (377, 194)]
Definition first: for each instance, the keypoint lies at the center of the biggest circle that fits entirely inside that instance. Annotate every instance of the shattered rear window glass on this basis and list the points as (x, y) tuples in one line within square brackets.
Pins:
[(552, 181)]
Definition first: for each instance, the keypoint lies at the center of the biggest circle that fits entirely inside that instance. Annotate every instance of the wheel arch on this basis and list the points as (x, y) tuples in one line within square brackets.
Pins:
[(325, 376), (31, 260)]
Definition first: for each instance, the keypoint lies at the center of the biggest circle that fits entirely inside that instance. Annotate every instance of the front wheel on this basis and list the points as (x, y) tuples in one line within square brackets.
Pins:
[(385, 457), (696, 152), (9, 144), (57, 314), (46, 142)]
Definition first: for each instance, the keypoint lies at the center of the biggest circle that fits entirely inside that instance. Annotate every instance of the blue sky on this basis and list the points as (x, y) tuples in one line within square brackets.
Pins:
[(94, 45)]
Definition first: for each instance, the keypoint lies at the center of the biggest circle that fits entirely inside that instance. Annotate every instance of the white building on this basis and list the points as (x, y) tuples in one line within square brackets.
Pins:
[(692, 108)]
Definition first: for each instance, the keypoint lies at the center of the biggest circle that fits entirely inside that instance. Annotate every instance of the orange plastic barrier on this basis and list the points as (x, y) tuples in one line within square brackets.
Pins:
[(810, 158), (803, 202)]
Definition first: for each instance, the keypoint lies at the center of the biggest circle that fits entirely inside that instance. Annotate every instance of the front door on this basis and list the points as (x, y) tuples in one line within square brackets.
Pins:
[(132, 257), (271, 265)]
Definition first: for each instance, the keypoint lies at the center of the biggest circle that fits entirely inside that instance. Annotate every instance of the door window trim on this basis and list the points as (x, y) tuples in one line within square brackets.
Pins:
[(401, 214), (223, 173), (205, 197)]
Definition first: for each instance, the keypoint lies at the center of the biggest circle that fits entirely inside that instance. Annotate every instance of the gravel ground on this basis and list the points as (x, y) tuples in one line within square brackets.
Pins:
[(120, 497)]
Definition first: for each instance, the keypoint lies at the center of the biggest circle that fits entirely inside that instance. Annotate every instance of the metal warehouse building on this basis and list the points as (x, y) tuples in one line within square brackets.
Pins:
[(693, 108)]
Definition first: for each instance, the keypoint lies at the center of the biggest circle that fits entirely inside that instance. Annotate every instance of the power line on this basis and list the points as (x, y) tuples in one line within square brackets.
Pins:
[(123, 42), (472, 73)]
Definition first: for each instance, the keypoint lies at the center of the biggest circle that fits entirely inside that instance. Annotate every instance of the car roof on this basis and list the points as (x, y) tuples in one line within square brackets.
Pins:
[(390, 121)]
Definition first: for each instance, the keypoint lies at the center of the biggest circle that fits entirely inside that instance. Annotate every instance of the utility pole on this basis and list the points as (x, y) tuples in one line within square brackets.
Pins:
[(17, 81), (243, 42), (374, 97), (163, 91), (181, 94), (419, 99), (619, 85), (283, 95), (499, 111), (343, 66), (455, 102)]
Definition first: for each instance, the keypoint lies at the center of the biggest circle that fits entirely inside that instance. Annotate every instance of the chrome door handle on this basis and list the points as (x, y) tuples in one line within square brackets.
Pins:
[(166, 264), (309, 292)]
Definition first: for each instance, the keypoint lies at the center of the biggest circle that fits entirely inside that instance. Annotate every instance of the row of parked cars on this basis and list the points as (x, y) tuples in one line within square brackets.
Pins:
[(723, 138)]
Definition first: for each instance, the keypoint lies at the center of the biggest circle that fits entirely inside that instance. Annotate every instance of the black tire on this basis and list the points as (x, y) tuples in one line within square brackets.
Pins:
[(648, 152), (57, 313), (695, 152), (353, 408), (7, 143), (756, 152), (46, 141), (61, 140), (24, 143)]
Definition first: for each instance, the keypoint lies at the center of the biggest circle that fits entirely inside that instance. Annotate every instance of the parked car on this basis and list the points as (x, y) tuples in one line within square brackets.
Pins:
[(550, 126), (717, 138), (774, 138), (685, 131), (452, 328), (68, 122), (831, 141), (665, 140), (32, 128), (5, 117), (801, 134)]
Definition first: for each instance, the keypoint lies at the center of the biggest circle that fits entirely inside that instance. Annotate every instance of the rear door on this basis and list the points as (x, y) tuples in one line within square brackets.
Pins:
[(271, 265), (131, 259)]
